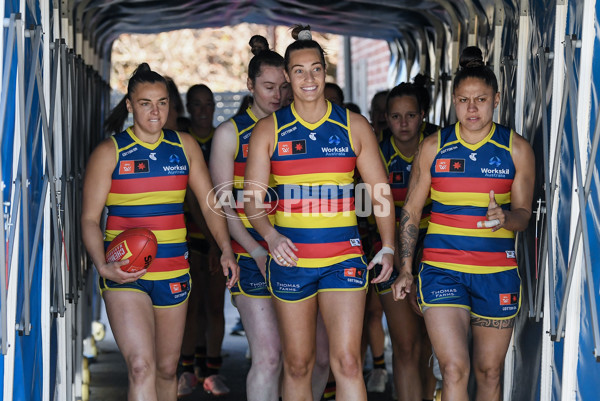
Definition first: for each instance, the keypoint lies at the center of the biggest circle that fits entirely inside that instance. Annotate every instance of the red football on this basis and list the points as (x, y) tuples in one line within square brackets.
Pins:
[(136, 244)]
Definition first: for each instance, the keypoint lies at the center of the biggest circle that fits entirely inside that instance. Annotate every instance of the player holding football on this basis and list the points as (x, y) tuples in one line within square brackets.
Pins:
[(141, 176)]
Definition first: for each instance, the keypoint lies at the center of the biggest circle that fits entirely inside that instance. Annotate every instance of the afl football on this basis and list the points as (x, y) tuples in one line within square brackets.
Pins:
[(136, 244)]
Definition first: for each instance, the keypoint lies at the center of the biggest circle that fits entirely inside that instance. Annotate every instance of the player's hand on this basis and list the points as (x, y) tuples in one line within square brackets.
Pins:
[(412, 300), (261, 262), (403, 285), (496, 217), (230, 267), (387, 266), (282, 249), (112, 271)]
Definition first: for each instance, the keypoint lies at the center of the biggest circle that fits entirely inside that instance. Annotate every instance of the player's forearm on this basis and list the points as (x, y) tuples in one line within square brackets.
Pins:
[(93, 239), (408, 231), (238, 231), (517, 220)]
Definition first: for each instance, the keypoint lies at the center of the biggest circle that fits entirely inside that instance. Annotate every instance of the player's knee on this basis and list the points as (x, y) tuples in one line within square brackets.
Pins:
[(322, 362), (167, 368), (140, 369), (346, 365), (454, 371), (298, 367), (488, 375), (268, 364), (407, 350)]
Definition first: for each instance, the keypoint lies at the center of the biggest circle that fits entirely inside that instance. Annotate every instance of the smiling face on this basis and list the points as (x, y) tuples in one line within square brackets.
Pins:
[(269, 89), (404, 118), (149, 104), (306, 74), (474, 102)]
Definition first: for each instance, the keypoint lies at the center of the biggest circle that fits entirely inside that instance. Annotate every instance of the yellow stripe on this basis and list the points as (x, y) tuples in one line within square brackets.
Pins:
[(182, 147), (165, 275), (469, 232), (175, 236), (468, 198), (315, 178), (146, 198), (321, 262), (473, 269), (312, 126), (151, 146), (349, 130), (316, 220), (285, 126)]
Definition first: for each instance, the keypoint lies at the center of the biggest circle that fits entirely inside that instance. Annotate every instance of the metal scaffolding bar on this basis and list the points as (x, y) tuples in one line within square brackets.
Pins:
[(582, 228), (549, 192)]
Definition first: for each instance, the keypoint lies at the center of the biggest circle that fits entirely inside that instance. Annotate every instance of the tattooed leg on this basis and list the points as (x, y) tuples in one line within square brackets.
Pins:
[(494, 323)]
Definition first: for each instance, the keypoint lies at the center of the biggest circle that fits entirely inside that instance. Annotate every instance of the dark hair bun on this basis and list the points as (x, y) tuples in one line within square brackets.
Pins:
[(258, 44), (144, 67), (421, 80), (299, 28), (471, 57)]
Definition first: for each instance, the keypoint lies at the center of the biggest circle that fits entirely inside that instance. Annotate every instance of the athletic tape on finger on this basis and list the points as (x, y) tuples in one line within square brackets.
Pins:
[(488, 223)]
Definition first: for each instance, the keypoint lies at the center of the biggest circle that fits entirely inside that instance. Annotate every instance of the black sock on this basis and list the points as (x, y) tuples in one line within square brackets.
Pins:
[(213, 364), (187, 363), (329, 393), (200, 361), (379, 362)]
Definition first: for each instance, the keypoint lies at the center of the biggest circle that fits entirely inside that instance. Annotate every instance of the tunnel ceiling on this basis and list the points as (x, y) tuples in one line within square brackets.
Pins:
[(102, 21)]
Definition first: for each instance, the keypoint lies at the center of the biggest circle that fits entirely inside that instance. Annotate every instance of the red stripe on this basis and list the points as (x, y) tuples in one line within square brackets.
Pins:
[(313, 166), (468, 258), (239, 168), (151, 222), (399, 194), (465, 184), (327, 250), (316, 205), (168, 264), (269, 207), (149, 184), (456, 220), (237, 248)]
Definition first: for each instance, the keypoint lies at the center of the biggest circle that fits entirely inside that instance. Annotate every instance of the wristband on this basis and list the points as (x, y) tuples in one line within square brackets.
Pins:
[(379, 257), (258, 252)]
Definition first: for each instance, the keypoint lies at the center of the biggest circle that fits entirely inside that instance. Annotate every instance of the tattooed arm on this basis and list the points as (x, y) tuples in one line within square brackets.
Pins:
[(410, 215)]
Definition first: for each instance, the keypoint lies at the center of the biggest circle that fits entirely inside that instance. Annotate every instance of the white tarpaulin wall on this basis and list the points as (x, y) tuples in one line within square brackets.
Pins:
[(54, 96)]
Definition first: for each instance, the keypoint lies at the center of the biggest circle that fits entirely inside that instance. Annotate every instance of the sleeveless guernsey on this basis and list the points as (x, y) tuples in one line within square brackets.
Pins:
[(462, 176), (147, 190), (313, 169), (243, 125), (398, 168)]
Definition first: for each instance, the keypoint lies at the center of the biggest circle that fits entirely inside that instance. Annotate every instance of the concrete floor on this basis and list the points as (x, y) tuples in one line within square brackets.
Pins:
[(109, 374)]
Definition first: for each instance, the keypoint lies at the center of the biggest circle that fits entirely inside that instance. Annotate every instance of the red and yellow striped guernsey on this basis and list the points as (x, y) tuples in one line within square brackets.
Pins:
[(462, 176), (243, 124), (398, 168), (147, 190), (313, 169)]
